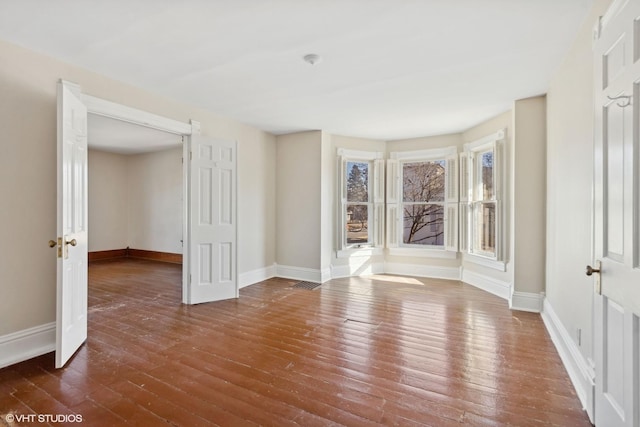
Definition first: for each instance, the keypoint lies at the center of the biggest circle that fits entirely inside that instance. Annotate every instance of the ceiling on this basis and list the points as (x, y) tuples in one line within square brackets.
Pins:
[(390, 69)]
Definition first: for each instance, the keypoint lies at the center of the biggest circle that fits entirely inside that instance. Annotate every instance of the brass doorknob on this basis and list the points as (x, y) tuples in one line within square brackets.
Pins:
[(591, 270), (71, 242), (52, 243)]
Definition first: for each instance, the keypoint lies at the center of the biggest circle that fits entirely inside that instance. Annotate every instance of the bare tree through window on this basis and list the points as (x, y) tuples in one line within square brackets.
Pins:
[(423, 192)]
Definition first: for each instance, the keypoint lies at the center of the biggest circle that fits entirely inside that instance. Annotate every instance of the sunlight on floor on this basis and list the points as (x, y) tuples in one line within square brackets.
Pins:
[(395, 279)]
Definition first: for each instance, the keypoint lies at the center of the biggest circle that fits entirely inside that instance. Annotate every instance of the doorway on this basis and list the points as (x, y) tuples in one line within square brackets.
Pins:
[(209, 211), (135, 192)]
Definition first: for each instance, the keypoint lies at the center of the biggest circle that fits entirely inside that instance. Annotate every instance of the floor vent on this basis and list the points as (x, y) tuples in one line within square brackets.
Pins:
[(306, 285)]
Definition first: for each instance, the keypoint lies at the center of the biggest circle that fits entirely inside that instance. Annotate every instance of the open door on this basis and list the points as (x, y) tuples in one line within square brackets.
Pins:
[(617, 217), (212, 226), (71, 306)]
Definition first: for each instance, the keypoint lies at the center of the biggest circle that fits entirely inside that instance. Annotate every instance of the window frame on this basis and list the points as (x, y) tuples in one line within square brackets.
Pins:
[(395, 203), (473, 199), (375, 203)]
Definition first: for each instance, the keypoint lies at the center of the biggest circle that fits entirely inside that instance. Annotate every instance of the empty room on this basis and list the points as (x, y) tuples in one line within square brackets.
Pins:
[(320, 213)]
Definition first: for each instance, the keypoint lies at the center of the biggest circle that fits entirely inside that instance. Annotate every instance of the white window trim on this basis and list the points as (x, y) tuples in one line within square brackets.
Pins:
[(484, 261), (398, 248), (495, 141), (422, 253), (376, 214), (368, 251)]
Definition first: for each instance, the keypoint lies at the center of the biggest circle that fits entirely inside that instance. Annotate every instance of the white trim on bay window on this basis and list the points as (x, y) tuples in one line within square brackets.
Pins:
[(439, 204), (367, 203), (481, 204)]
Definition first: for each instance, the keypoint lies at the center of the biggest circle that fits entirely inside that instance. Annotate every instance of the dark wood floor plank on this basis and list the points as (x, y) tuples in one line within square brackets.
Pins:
[(378, 350)]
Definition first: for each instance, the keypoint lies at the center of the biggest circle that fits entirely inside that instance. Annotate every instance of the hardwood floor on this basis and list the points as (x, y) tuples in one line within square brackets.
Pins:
[(361, 351)]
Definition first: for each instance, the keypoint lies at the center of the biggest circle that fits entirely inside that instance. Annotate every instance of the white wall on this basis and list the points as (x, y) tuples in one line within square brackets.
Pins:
[(28, 193), (108, 204), (569, 187), (154, 192)]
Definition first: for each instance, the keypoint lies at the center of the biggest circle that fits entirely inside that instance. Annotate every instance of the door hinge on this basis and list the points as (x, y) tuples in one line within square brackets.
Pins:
[(190, 155), (189, 278)]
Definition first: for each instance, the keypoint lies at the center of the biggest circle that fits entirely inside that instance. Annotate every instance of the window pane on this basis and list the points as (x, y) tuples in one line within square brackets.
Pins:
[(357, 224), (486, 161), (423, 225), (357, 182), (423, 181), (485, 228)]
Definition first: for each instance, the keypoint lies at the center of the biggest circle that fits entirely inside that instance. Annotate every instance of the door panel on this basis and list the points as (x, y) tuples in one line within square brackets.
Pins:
[(212, 226), (617, 300), (71, 306)]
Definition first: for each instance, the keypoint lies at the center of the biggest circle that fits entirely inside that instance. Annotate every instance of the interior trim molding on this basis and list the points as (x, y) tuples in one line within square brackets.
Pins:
[(355, 268), (526, 301), (493, 286), (136, 253), (110, 254), (256, 276), (155, 255), (449, 273), (23, 345), (117, 111), (299, 273), (581, 372)]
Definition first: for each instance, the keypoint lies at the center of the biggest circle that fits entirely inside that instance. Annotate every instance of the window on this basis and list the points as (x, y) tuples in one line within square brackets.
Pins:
[(480, 197), (422, 201), (358, 206), (361, 207)]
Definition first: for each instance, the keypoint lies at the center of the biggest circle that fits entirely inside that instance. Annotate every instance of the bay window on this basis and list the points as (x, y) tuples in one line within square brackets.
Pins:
[(481, 204)]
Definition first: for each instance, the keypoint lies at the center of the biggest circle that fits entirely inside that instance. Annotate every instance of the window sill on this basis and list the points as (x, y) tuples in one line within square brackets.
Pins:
[(484, 261), (358, 252), (423, 253)]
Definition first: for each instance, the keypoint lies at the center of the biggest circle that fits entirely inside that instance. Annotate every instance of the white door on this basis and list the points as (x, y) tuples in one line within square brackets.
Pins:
[(616, 209), (71, 317), (212, 221)]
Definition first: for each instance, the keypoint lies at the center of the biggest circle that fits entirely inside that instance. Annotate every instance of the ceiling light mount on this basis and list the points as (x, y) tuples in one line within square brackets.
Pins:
[(312, 58)]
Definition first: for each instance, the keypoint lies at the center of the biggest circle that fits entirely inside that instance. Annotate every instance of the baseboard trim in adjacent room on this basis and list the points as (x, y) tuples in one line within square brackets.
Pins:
[(136, 253), (155, 256), (449, 273), (486, 283), (111, 254), (581, 372), (27, 344), (256, 276), (526, 301)]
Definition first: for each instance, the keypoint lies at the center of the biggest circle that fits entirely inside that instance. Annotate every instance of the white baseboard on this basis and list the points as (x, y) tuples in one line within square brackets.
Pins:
[(299, 273), (451, 273), (581, 372), (257, 275), (356, 269), (526, 301), (27, 344), (486, 283)]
